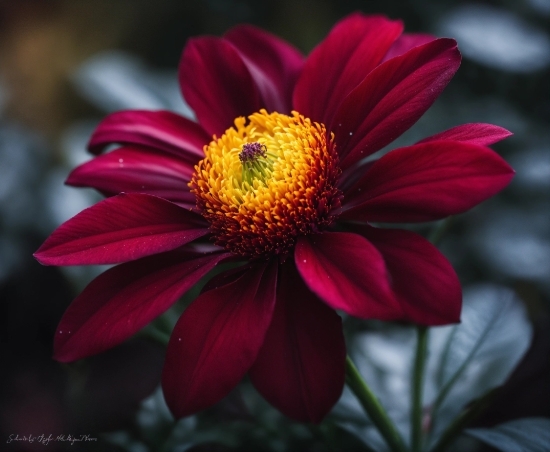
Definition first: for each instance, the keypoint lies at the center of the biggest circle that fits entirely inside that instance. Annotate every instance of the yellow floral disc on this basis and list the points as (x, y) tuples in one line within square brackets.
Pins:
[(267, 181)]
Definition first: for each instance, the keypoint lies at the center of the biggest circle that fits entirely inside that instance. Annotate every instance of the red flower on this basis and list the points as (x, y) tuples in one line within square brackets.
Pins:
[(289, 194)]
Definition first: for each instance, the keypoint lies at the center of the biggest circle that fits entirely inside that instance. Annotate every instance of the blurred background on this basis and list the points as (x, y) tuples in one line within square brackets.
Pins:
[(65, 64)]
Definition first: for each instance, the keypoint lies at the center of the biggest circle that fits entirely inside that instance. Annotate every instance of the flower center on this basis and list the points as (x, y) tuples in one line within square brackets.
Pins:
[(267, 181), (254, 162)]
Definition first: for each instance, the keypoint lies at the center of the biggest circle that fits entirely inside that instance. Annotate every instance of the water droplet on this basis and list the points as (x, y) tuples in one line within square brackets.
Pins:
[(350, 134), (179, 339), (305, 260), (60, 332), (120, 160)]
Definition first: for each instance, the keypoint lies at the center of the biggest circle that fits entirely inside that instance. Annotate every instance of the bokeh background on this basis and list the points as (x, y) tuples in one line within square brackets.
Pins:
[(64, 64)]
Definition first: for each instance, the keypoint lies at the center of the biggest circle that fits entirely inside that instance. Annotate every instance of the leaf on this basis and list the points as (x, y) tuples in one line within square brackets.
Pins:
[(465, 361), (520, 435), (481, 352)]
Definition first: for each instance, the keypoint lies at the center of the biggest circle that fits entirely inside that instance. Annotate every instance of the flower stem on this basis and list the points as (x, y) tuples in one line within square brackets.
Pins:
[(155, 335), (373, 408), (417, 389), (439, 231)]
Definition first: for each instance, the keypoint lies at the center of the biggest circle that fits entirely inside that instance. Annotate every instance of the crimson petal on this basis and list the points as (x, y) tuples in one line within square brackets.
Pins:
[(137, 170), (273, 63), (477, 133), (341, 61), (216, 83), (118, 229), (124, 299), (406, 42), (348, 273), (392, 98), (301, 366), (426, 182), (422, 278), (217, 339), (162, 130)]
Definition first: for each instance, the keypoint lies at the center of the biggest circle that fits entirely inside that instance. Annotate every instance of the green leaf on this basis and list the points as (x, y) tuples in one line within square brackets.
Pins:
[(465, 361), (481, 352), (521, 435)]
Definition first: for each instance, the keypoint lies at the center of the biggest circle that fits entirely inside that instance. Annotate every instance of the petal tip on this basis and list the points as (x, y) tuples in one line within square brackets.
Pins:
[(42, 257)]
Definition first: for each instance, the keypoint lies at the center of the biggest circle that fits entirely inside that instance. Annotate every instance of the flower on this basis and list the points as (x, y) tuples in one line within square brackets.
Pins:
[(273, 176)]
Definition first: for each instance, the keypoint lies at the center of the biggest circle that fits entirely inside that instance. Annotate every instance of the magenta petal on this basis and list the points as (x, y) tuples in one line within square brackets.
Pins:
[(406, 42), (340, 62), (124, 299), (422, 278), (348, 273), (392, 98), (301, 366), (477, 133), (162, 130), (119, 229), (217, 339), (273, 63), (137, 170), (426, 182), (216, 83)]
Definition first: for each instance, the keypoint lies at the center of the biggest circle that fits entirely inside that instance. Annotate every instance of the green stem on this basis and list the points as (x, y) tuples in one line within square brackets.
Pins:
[(439, 231), (417, 389), (373, 408), (155, 335), (462, 421)]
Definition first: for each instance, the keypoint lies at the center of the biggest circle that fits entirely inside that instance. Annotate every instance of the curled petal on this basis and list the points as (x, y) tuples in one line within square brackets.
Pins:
[(406, 42), (353, 48), (124, 299), (348, 273), (301, 366), (216, 83), (392, 98), (137, 170), (273, 64), (118, 229), (423, 280), (217, 339), (477, 133), (427, 182), (161, 130)]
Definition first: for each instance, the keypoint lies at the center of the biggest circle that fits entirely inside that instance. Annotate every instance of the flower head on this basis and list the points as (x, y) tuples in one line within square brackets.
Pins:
[(273, 175), (266, 182)]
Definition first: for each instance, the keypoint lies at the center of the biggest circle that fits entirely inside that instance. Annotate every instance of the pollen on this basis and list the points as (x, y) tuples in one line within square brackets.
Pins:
[(266, 181)]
